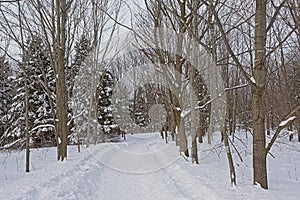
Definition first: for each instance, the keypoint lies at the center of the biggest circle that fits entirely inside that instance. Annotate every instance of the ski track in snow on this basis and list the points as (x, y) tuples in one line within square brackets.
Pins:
[(79, 182), (92, 178), (143, 167)]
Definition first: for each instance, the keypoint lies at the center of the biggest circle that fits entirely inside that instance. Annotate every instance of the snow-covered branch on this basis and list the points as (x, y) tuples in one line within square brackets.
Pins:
[(42, 126), (237, 87), (283, 124)]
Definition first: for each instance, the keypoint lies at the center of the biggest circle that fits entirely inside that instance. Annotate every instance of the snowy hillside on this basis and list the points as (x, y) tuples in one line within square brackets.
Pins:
[(144, 167)]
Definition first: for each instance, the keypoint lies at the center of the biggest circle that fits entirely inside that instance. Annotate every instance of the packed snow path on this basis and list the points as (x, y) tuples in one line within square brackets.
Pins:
[(143, 167), (138, 168)]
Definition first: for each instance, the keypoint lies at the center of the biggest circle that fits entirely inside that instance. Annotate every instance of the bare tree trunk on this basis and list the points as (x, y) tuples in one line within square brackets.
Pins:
[(27, 151), (92, 101), (78, 143), (246, 123), (27, 154), (235, 104), (193, 117), (178, 67), (166, 133), (294, 6), (229, 156), (201, 129), (102, 135), (267, 107), (194, 59), (61, 91), (268, 124), (230, 108), (181, 135), (298, 131), (172, 120), (212, 70), (162, 133), (96, 124), (272, 119), (230, 117), (195, 151), (258, 97)]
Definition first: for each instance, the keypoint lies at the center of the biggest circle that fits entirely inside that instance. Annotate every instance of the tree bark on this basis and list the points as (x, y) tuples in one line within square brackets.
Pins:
[(193, 103), (61, 91), (201, 129), (258, 97), (27, 151), (268, 124), (27, 135), (178, 67), (193, 115), (298, 131), (229, 155)]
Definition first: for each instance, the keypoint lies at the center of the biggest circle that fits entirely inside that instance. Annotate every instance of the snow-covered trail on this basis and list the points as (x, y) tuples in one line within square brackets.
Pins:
[(146, 168), (136, 169), (143, 167)]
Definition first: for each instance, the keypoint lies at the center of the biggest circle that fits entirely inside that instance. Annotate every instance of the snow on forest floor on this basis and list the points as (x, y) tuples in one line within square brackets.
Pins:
[(144, 167)]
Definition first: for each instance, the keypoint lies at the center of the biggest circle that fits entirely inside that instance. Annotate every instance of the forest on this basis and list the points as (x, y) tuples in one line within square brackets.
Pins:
[(85, 72)]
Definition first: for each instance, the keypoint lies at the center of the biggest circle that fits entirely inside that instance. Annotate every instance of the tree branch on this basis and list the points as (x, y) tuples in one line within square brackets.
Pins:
[(229, 49), (289, 119)]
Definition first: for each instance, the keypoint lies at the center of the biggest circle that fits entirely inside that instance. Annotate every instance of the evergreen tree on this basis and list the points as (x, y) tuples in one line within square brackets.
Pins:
[(17, 109), (105, 107), (6, 94), (77, 74), (37, 69), (82, 50)]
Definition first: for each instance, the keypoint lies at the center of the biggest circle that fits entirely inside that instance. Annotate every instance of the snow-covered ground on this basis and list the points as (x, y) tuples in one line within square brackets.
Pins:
[(144, 167)]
